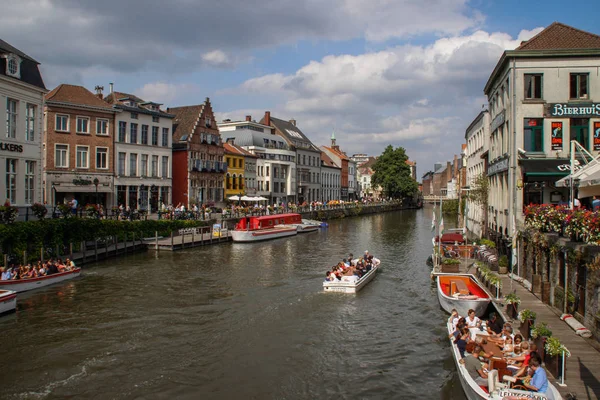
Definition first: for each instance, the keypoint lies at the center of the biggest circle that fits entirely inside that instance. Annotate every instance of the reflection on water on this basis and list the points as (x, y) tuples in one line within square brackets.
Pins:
[(243, 321)]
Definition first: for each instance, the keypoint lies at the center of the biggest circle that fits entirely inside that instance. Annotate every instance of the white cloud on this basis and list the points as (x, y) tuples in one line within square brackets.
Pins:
[(165, 93), (218, 59)]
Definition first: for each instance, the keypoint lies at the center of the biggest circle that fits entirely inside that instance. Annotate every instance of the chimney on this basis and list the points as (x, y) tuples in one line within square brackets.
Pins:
[(293, 122), (111, 86), (268, 118), (248, 118), (99, 90)]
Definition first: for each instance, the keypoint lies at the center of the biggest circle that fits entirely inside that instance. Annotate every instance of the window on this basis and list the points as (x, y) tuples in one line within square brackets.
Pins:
[(133, 165), (102, 127), (579, 131), (267, 172), (579, 86), (30, 123), (29, 181), (155, 136), (165, 167), (12, 67), (165, 137), (11, 180), (155, 118), (101, 157), (121, 164), (83, 125), (62, 123), (133, 133), (154, 166), (144, 134), (122, 131), (533, 134), (207, 122), (144, 165), (11, 118), (61, 156), (266, 142), (82, 157), (134, 115)]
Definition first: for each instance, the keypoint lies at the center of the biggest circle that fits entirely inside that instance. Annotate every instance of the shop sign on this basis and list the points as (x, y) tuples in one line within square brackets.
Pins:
[(574, 110), (17, 148), (567, 167), (557, 136), (497, 167), (596, 135), (498, 120)]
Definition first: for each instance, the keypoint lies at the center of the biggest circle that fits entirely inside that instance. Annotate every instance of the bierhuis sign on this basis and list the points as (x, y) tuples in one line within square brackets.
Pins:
[(571, 110)]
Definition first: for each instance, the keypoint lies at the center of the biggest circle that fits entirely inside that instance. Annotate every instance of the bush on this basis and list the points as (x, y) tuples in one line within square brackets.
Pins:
[(488, 243), (541, 330), (527, 314), (503, 261)]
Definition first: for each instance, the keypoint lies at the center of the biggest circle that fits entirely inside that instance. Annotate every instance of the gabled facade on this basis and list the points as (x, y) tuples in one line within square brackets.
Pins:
[(339, 158), (308, 158), (198, 156), (143, 151), (78, 147), (240, 179), (22, 93), (275, 163), (330, 179)]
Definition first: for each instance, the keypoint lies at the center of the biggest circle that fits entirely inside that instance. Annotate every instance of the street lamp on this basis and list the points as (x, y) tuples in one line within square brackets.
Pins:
[(96, 182)]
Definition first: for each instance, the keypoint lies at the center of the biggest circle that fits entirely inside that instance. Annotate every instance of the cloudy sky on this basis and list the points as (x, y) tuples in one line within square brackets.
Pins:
[(403, 72)]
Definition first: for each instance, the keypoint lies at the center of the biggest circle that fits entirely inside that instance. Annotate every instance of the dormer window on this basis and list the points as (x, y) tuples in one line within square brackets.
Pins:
[(13, 66)]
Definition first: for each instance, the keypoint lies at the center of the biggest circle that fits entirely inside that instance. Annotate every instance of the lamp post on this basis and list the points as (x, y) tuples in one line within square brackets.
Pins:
[(96, 182)]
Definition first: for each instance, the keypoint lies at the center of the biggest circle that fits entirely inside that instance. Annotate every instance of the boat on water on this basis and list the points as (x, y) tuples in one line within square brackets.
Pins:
[(352, 286), (255, 228), (320, 224), (496, 390), (306, 228), (23, 285), (8, 301), (462, 292)]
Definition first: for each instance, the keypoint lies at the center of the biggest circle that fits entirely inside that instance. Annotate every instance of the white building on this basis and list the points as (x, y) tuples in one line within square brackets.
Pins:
[(330, 179), (476, 136), (143, 152), (541, 96), (21, 98)]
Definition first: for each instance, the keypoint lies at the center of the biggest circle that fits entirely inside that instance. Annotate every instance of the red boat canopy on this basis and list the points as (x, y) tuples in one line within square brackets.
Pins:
[(451, 238)]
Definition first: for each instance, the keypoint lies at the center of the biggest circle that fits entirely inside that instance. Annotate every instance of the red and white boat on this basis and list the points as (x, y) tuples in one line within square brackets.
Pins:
[(23, 285), (254, 229), (8, 301), (462, 292)]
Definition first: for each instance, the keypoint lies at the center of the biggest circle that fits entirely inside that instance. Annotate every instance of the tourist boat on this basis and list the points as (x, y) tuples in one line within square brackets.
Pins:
[(320, 224), (352, 287), (305, 228), (462, 292), (8, 301), (496, 390), (254, 229), (23, 285)]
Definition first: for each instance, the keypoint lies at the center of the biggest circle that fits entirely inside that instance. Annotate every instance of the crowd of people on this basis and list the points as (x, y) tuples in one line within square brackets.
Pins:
[(351, 269), (29, 271), (522, 359)]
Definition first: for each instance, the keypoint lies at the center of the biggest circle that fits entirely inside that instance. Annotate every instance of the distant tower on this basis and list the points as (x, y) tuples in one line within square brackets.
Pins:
[(333, 138)]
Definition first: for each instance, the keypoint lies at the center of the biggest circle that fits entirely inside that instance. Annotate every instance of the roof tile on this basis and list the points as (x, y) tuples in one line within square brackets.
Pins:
[(74, 94), (558, 36)]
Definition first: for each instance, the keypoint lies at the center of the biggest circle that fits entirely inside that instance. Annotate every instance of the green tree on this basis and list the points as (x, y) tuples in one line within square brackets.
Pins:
[(392, 174)]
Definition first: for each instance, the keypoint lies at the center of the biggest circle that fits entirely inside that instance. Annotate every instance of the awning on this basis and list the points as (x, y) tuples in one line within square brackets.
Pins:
[(546, 167), (83, 188), (451, 238), (582, 174)]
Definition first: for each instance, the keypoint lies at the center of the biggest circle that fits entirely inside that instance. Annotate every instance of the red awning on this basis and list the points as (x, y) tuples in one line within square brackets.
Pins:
[(451, 238)]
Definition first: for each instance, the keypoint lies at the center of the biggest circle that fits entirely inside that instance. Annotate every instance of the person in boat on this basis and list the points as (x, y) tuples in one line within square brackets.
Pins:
[(52, 268), (346, 262), (454, 317), (351, 259), (462, 340), (472, 320), (508, 346), (518, 339), (474, 367), (539, 380), (494, 325)]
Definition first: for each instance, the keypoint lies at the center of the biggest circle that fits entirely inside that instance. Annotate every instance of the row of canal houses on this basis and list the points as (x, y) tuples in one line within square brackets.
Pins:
[(116, 149), (543, 108)]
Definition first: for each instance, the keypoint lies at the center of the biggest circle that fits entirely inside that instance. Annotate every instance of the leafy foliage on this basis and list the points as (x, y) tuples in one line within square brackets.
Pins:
[(392, 174), (480, 190)]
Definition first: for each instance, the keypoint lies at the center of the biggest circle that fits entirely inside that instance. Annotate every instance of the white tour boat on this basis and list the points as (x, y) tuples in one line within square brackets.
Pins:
[(462, 292), (8, 301), (23, 285), (352, 286)]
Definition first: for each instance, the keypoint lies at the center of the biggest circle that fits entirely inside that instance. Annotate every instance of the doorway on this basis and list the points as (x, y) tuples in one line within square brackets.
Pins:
[(580, 131)]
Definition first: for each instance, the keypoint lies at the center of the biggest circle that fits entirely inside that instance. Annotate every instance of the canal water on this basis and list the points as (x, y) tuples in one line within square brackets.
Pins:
[(240, 321)]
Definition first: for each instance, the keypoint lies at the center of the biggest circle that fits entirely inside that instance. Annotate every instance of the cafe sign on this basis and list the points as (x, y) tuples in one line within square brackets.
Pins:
[(497, 167), (574, 110), (557, 136)]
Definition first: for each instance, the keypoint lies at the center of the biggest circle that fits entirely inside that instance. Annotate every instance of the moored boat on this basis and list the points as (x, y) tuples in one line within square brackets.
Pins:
[(320, 224), (254, 229), (305, 228), (350, 286), (462, 292), (23, 285), (8, 301)]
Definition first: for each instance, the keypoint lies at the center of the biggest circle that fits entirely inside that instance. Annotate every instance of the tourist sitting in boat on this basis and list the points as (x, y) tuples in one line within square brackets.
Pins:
[(463, 339), (51, 268), (472, 320), (508, 346), (539, 380), (475, 368), (331, 276), (518, 339), (494, 325)]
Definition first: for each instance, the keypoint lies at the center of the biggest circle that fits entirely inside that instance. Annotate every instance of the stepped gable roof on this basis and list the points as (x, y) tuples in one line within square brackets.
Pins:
[(558, 36), (326, 161), (77, 96), (185, 120), (337, 152), (232, 148), (29, 71)]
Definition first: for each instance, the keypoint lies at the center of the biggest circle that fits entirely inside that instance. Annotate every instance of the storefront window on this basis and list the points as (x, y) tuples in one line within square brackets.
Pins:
[(533, 134), (580, 131)]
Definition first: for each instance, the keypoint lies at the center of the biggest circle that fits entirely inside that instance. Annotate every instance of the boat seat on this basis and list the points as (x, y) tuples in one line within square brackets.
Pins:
[(458, 286)]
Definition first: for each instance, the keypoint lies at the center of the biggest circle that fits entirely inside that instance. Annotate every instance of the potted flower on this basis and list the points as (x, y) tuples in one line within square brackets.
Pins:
[(555, 351), (39, 210), (512, 305), (527, 318), (495, 284), (540, 334), (503, 265), (64, 209), (450, 265)]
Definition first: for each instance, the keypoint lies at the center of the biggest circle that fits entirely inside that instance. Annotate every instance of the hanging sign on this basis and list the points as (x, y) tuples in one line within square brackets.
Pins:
[(596, 135), (557, 135)]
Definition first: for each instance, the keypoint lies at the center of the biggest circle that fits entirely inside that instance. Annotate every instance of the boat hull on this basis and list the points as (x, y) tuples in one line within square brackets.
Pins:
[(351, 287), (306, 228), (23, 285), (8, 301), (262, 234), (448, 303)]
